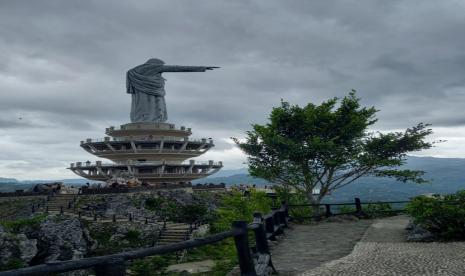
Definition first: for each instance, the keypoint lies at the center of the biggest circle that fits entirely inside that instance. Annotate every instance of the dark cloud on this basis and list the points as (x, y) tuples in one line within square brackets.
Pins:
[(63, 63)]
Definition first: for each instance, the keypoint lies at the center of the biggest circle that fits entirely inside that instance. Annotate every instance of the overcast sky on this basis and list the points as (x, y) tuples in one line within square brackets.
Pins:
[(63, 65)]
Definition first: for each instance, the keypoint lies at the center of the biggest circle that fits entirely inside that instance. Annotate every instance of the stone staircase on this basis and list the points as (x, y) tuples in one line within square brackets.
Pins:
[(54, 204), (174, 232)]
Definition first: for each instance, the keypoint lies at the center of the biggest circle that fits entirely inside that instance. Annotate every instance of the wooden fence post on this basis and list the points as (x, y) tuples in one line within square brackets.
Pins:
[(358, 206), (114, 267), (113, 218), (61, 210), (269, 227), (260, 235), (278, 222), (283, 215), (243, 250), (261, 244), (286, 208), (276, 218), (328, 210)]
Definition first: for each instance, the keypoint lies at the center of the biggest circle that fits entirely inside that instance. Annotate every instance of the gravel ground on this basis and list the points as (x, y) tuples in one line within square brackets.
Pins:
[(382, 251), (308, 246)]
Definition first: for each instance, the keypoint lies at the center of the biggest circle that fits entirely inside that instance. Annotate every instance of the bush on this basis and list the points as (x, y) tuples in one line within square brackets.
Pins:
[(154, 203), (235, 206), (345, 209), (441, 215), (376, 210), (173, 211), (300, 214)]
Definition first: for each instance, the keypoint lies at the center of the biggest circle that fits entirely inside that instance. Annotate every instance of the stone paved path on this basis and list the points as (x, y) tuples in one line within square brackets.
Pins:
[(308, 246), (383, 251)]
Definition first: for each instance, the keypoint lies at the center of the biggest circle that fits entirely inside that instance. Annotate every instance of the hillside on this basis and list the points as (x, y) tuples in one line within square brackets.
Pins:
[(447, 175)]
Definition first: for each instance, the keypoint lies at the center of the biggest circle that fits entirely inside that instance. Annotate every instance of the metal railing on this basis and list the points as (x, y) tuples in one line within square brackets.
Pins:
[(252, 261)]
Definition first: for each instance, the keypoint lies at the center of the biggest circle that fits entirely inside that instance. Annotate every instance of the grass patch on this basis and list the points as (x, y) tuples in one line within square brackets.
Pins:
[(15, 226)]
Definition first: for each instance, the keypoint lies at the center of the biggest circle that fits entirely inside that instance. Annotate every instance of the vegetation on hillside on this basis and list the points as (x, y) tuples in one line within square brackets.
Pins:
[(231, 207), (16, 226)]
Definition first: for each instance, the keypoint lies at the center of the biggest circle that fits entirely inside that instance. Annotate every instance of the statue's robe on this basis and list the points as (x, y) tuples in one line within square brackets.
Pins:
[(147, 87)]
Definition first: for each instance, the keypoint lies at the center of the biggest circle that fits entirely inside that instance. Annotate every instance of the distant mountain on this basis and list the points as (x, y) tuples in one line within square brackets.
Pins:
[(12, 184), (447, 175), (8, 180), (227, 173), (232, 179)]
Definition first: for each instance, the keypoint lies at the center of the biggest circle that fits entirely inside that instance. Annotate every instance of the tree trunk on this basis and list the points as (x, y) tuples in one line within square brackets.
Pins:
[(314, 200)]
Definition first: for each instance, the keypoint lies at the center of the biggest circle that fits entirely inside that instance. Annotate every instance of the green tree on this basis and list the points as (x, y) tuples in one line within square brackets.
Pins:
[(329, 146)]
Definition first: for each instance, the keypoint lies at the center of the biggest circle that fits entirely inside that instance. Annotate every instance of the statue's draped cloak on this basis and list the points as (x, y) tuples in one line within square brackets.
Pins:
[(147, 87)]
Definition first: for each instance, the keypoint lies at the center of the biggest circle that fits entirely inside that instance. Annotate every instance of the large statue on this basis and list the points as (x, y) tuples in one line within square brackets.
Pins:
[(147, 87)]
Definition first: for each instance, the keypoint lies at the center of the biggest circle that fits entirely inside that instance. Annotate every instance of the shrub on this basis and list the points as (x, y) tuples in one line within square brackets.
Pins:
[(442, 215), (235, 206), (376, 210), (300, 214), (345, 209), (154, 203), (133, 236)]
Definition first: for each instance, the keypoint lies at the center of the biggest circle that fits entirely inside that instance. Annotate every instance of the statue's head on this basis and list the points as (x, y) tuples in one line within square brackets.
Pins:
[(155, 61)]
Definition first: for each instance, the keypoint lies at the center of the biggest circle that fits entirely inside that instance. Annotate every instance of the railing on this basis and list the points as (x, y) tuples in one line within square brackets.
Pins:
[(117, 190), (148, 163), (252, 261), (17, 194), (145, 139), (358, 204)]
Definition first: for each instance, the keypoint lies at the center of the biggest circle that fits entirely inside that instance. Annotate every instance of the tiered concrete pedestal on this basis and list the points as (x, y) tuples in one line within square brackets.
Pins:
[(148, 152)]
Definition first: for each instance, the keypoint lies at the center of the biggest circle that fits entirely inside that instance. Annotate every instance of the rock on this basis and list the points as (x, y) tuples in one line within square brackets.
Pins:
[(120, 205), (27, 248), (410, 226), (62, 239), (16, 246), (46, 187), (201, 231), (419, 234)]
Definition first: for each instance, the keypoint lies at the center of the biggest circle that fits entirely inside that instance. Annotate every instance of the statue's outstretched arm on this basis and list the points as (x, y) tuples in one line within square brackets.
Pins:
[(180, 68)]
